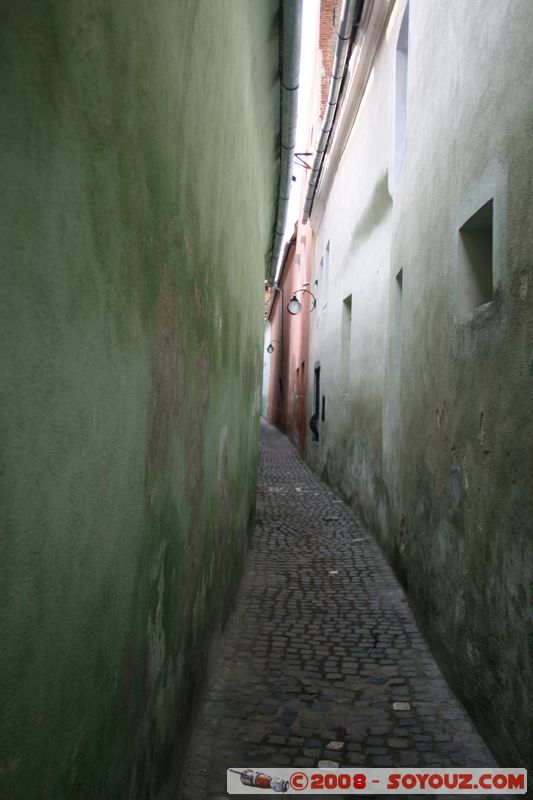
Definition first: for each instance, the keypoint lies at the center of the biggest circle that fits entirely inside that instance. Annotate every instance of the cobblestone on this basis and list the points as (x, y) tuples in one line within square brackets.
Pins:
[(321, 649)]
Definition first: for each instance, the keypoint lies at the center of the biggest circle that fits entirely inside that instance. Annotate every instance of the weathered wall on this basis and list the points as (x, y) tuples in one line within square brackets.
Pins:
[(356, 224), (138, 170), (436, 441), (464, 491), (287, 401)]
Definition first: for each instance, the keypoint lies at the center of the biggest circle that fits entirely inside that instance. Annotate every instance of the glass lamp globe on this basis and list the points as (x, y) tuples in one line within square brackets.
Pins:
[(270, 348), (294, 306)]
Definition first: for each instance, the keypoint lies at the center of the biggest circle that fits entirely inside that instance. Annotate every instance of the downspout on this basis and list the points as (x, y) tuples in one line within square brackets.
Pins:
[(291, 34), (344, 35), (277, 289)]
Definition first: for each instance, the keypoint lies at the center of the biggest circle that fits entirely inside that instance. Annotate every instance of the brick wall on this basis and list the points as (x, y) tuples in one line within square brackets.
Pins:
[(330, 11)]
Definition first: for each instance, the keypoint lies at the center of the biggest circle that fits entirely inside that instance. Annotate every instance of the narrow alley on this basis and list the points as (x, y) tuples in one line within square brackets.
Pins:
[(321, 659), (266, 383)]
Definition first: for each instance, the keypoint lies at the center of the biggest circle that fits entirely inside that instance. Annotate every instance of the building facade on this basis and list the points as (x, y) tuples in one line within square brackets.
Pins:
[(289, 339), (420, 360)]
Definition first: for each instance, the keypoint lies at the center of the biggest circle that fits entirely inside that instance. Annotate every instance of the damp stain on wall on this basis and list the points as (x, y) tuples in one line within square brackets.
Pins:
[(139, 176)]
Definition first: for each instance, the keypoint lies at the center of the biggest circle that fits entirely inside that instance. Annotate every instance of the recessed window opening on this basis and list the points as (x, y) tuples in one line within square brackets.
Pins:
[(326, 277), (303, 242), (399, 281), (399, 303), (400, 99), (475, 284), (323, 279), (346, 335), (316, 412), (398, 313)]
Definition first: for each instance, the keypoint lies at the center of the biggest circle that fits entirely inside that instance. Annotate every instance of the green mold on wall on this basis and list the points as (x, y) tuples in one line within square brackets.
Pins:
[(139, 169)]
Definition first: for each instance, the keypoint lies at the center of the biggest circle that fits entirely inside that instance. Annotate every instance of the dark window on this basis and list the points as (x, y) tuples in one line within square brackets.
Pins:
[(475, 260), (313, 422)]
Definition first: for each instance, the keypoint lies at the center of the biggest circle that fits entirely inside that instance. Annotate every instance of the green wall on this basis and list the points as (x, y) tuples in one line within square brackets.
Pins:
[(138, 166)]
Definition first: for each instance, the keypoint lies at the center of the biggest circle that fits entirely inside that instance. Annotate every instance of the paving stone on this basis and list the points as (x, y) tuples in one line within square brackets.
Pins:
[(335, 746), (422, 746), (276, 740), (398, 743), (401, 706), (309, 659)]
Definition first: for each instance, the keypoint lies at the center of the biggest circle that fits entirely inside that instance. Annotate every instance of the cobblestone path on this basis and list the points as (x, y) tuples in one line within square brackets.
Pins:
[(321, 659)]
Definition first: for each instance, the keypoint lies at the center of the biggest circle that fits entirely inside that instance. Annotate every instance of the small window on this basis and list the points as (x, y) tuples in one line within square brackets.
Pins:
[(326, 275), (399, 282), (346, 335), (303, 242), (323, 279), (400, 100), (475, 284), (398, 313), (313, 423)]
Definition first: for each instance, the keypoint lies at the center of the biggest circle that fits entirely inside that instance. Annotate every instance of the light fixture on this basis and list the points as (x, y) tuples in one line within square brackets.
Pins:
[(270, 348), (294, 306)]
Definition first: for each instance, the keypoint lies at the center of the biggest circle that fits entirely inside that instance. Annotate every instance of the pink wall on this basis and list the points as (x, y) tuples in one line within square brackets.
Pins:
[(287, 403)]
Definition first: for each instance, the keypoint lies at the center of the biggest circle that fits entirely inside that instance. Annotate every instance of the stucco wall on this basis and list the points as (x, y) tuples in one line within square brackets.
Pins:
[(287, 400), (434, 437), (464, 489), (356, 224), (138, 168)]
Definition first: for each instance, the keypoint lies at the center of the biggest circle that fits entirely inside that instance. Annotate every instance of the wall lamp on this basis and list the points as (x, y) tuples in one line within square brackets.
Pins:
[(294, 306), (270, 348)]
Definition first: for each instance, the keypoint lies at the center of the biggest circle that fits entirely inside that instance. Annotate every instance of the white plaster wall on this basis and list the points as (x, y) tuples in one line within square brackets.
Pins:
[(463, 494), (434, 439), (356, 222)]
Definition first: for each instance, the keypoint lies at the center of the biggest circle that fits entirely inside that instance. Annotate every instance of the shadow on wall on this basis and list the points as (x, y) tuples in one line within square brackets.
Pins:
[(375, 212)]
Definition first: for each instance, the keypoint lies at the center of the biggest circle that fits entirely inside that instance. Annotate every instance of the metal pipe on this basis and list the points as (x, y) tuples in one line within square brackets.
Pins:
[(290, 76), (344, 35)]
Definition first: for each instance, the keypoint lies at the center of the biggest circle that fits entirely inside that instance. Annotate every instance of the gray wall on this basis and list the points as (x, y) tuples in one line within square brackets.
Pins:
[(434, 440)]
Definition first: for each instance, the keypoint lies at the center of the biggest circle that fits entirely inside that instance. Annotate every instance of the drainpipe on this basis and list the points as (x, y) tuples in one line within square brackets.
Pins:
[(291, 34), (278, 288), (344, 35)]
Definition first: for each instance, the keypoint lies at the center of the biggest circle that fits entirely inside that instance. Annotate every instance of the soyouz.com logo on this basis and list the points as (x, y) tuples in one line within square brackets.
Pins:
[(283, 780)]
